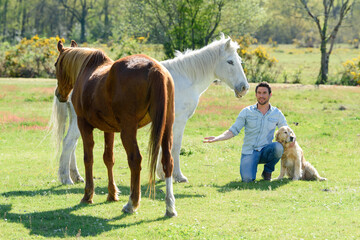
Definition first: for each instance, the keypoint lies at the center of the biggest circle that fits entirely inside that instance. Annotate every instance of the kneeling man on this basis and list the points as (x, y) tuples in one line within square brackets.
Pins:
[(259, 121)]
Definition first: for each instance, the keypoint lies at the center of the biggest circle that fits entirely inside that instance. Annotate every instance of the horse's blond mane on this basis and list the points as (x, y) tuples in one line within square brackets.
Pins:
[(73, 61), (198, 63)]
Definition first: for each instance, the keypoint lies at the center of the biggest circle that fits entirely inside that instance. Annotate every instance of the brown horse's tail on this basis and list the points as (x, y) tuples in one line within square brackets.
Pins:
[(158, 110)]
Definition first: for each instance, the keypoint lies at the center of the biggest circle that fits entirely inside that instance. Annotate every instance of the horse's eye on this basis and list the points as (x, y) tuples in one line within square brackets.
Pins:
[(230, 62)]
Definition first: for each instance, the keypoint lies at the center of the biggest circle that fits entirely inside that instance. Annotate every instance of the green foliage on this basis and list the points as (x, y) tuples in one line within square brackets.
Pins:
[(258, 64), (184, 24), (33, 57)]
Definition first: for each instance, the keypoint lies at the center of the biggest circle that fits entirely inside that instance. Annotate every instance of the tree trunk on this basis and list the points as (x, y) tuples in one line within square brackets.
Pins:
[(4, 18), (324, 68), (82, 34), (83, 22), (106, 20), (23, 21)]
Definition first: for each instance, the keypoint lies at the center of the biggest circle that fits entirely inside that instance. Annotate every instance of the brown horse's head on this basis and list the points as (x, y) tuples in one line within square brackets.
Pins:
[(65, 83)]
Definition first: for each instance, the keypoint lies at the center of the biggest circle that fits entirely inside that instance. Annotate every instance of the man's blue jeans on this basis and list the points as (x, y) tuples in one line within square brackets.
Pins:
[(269, 156)]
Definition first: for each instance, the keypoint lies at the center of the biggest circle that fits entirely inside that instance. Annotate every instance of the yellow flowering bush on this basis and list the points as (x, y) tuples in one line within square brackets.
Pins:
[(128, 46), (258, 64), (33, 57), (351, 74)]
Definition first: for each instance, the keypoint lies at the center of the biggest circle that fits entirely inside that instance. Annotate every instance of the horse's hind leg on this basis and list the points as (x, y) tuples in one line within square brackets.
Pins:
[(128, 138), (168, 164), (88, 141), (109, 162), (178, 131), (68, 171)]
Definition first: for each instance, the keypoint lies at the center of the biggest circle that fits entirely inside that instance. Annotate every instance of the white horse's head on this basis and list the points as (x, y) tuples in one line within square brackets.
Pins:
[(229, 69)]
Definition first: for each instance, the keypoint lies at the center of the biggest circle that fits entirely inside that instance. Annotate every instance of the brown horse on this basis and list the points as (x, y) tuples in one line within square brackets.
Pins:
[(119, 96)]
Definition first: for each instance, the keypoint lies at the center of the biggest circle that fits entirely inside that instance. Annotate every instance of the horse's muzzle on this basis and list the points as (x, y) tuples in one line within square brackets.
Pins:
[(60, 97), (241, 90)]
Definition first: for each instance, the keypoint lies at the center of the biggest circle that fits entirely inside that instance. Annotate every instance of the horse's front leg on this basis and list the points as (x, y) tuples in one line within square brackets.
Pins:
[(86, 131), (109, 162), (128, 138)]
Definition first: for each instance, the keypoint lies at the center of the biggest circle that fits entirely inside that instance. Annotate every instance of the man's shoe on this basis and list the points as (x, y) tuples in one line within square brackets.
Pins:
[(266, 176)]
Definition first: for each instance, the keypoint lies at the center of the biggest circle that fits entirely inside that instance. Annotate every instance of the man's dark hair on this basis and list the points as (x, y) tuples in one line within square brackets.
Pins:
[(263, 84)]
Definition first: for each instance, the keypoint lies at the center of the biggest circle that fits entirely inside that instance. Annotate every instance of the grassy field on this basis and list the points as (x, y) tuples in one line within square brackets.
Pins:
[(304, 63), (215, 204)]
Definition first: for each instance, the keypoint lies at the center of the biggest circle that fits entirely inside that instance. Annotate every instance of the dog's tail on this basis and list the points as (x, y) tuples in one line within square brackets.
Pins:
[(310, 173)]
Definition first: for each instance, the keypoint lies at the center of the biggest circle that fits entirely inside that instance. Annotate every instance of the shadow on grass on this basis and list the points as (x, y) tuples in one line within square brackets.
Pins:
[(257, 185), (63, 223), (124, 191)]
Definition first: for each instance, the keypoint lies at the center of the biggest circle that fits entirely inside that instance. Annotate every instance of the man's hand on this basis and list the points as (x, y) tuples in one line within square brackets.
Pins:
[(209, 139), (224, 136)]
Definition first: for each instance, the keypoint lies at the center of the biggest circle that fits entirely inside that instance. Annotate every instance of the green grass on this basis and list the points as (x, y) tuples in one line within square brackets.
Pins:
[(305, 62), (215, 204)]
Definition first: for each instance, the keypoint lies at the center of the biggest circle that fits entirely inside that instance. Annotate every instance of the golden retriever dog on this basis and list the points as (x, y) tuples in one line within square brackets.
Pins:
[(293, 162)]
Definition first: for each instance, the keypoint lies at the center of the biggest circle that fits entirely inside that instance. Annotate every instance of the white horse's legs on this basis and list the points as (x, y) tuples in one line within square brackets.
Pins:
[(74, 172), (68, 171), (170, 199), (73, 127), (178, 131)]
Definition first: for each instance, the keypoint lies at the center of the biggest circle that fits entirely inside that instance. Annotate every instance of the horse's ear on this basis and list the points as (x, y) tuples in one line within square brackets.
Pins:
[(60, 46), (73, 43), (228, 44)]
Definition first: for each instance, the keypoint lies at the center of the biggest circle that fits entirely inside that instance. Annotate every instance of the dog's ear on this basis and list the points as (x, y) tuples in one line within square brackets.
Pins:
[(291, 132), (277, 136)]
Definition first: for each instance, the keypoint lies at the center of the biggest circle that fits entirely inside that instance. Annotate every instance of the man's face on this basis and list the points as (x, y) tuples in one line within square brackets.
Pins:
[(262, 95)]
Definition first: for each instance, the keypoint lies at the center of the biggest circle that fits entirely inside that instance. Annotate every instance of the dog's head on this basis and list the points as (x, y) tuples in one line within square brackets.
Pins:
[(285, 135)]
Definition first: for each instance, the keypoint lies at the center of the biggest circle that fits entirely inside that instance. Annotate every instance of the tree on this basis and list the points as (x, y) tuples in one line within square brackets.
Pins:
[(326, 38), (81, 15), (182, 24), (243, 17)]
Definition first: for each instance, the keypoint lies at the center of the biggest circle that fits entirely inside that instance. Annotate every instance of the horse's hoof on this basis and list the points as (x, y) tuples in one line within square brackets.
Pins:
[(128, 209), (181, 179), (170, 214), (75, 176), (87, 201), (78, 179), (67, 181), (161, 176), (112, 198)]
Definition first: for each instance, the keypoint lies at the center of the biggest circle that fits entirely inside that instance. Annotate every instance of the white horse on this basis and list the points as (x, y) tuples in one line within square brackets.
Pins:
[(193, 71)]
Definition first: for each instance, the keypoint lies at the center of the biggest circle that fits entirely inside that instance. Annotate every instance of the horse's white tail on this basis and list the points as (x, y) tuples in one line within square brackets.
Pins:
[(57, 123)]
